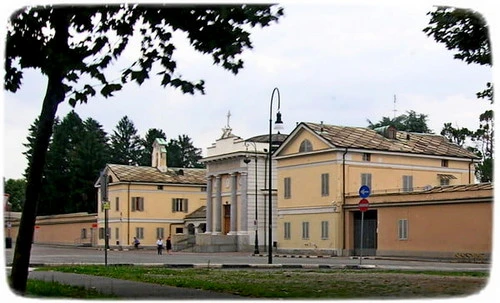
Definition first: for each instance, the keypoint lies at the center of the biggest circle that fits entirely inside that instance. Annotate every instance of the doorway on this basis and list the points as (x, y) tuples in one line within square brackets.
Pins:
[(369, 233), (227, 219)]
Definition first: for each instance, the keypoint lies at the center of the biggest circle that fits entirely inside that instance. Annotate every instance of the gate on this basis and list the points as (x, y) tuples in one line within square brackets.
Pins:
[(369, 233)]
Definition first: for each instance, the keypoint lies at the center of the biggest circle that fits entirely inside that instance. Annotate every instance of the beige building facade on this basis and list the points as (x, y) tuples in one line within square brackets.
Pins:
[(321, 166), (150, 202)]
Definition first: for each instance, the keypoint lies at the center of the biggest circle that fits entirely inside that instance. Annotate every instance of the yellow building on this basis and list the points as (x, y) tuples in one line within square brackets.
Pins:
[(151, 202), (320, 165)]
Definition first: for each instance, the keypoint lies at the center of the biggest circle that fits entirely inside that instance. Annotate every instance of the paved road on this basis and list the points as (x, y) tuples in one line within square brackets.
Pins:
[(42, 254)]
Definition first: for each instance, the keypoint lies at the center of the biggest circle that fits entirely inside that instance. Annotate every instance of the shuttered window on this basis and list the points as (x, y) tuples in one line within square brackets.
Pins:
[(407, 183), (325, 185), (366, 179), (288, 188), (137, 204), (287, 231), (403, 229), (179, 205)]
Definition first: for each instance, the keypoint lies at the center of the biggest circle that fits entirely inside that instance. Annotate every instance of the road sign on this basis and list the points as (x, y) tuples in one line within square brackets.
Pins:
[(364, 191), (363, 205), (106, 205)]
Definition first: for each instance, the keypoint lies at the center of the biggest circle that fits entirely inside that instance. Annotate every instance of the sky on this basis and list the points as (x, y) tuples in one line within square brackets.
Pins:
[(339, 62)]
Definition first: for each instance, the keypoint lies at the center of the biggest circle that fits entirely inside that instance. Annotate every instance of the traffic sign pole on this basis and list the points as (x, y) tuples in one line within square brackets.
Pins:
[(361, 246), (364, 192)]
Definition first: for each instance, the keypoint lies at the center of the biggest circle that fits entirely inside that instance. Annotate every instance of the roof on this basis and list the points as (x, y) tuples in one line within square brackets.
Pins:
[(199, 213), (130, 173), (276, 138), (406, 142), (457, 188)]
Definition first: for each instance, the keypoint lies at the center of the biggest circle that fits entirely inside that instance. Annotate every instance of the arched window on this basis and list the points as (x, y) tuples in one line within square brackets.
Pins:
[(305, 146)]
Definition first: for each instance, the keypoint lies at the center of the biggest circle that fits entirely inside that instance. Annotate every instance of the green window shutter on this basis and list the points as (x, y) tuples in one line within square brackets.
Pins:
[(185, 206), (173, 205), (132, 204)]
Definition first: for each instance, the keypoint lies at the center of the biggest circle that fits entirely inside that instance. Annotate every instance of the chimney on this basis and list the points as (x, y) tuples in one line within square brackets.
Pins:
[(159, 156)]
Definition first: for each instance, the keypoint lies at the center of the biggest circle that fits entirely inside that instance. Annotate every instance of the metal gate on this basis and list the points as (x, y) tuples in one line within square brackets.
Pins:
[(369, 233)]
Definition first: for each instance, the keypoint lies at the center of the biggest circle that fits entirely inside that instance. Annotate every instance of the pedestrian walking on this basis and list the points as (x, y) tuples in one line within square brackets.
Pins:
[(169, 245), (159, 246)]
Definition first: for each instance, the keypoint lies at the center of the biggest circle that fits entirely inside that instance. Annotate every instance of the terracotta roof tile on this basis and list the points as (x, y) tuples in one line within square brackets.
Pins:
[(130, 173), (365, 138)]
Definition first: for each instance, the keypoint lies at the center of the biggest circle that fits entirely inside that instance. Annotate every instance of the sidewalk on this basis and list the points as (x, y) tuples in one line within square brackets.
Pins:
[(128, 289)]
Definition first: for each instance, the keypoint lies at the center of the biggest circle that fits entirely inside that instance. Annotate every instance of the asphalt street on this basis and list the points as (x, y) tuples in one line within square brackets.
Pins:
[(45, 255)]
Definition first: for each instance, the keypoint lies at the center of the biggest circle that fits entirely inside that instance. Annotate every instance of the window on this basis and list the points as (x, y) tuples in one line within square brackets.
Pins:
[(117, 204), (366, 179), (407, 183), (367, 157), (160, 187), (288, 188), (287, 231), (444, 181), (305, 230), (179, 205), (139, 232), (83, 234), (305, 146), (324, 230), (403, 229), (325, 189), (179, 230), (101, 232), (117, 233), (160, 232), (444, 163), (203, 188), (137, 204)]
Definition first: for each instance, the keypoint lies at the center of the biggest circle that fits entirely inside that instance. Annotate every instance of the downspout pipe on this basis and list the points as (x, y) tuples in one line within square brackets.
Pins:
[(470, 171), (128, 213), (343, 200)]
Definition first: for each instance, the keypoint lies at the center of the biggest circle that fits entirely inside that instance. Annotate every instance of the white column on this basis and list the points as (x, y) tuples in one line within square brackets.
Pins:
[(244, 203), (209, 205), (234, 204), (218, 204)]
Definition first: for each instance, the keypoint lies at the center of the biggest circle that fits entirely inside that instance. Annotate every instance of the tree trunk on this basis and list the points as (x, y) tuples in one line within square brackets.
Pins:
[(54, 95)]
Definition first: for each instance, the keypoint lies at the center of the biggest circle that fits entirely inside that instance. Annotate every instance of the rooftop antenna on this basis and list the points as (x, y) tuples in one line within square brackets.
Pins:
[(394, 109)]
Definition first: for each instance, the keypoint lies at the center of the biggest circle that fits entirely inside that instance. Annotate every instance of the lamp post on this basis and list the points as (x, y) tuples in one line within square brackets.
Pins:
[(255, 223), (278, 126)]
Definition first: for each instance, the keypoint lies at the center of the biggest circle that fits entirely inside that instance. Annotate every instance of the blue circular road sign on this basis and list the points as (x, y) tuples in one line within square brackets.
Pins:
[(364, 191)]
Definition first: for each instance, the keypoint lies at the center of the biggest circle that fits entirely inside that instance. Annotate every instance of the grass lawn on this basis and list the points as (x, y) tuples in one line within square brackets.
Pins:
[(37, 289), (301, 283)]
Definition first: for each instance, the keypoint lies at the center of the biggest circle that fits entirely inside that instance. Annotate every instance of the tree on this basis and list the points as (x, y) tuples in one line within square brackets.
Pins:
[(410, 122), (126, 145), (91, 156), (147, 144), (182, 153), (456, 135), (466, 33), (75, 45), (16, 189)]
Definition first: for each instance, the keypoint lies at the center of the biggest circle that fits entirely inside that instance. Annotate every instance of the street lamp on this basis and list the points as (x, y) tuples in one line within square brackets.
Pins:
[(247, 160), (278, 126)]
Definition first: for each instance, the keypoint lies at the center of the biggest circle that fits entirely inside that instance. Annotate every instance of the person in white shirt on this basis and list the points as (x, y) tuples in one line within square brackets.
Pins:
[(159, 246)]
